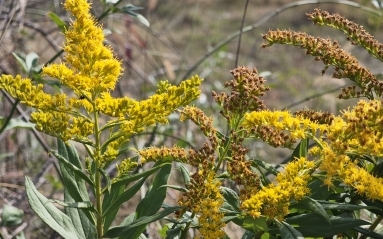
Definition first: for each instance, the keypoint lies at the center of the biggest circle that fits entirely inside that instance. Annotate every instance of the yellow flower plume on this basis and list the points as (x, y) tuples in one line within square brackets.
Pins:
[(89, 65), (91, 71), (273, 201)]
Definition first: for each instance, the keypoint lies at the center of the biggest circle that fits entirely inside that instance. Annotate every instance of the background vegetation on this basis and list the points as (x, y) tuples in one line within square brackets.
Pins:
[(184, 38)]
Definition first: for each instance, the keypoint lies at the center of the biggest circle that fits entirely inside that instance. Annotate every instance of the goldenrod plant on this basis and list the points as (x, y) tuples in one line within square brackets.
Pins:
[(90, 71), (335, 168)]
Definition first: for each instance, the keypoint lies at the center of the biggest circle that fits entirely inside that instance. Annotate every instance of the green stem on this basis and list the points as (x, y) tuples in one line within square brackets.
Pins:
[(234, 127), (97, 158), (100, 226)]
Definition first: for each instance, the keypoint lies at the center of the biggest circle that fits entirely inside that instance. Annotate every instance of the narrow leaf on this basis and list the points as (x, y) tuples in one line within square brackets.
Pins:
[(124, 197), (131, 10), (231, 199), (300, 150), (75, 189), (313, 206), (255, 224), (106, 177), (376, 204), (288, 232), (319, 191), (84, 227), (368, 233), (262, 164), (72, 204), (21, 61), (313, 225), (56, 19), (31, 61), (175, 187), (248, 235), (73, 168), (17, 123), (152, 201), (142, 221), (303, 147), (155, 196), (185, 174), (110, 215), (131, 178), (344, 206), (48, 213)]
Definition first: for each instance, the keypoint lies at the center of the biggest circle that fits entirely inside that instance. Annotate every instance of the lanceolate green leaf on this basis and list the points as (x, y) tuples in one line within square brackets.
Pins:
[(72, 167), (262, 164), (84, 227), (344, 206), (254, 224), (313, 225), (60, 23), (376, 204), (21, 61), (369, 233), (301, 149), (313, 206), (75, 188), (115, 192), (107, 178), (124, 197), (150, 204), (131, 10), (155, 196), (87, 205), (48, 213), (113, 200), (319, 191), (142, 221), (231, 199), (131, 178), (185, 174), (288, 232)]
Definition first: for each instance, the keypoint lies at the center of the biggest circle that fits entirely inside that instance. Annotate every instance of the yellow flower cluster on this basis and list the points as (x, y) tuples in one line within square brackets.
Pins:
[(360, 129), (362, 181), (90, 66), (357, 132), (206, 203), (125, 167), (273, 200), (298, 127)]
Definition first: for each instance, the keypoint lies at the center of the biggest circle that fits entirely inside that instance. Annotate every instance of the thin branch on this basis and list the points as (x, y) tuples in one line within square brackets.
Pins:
[(39, 29), (240, 33)]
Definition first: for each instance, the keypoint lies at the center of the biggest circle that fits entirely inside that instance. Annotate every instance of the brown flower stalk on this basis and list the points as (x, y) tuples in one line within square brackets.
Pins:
[(330, 53), (356, 33), (246, 87), (320, 117)]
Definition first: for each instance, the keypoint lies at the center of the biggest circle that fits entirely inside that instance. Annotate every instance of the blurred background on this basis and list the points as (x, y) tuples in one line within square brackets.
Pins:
[(185, 38)]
